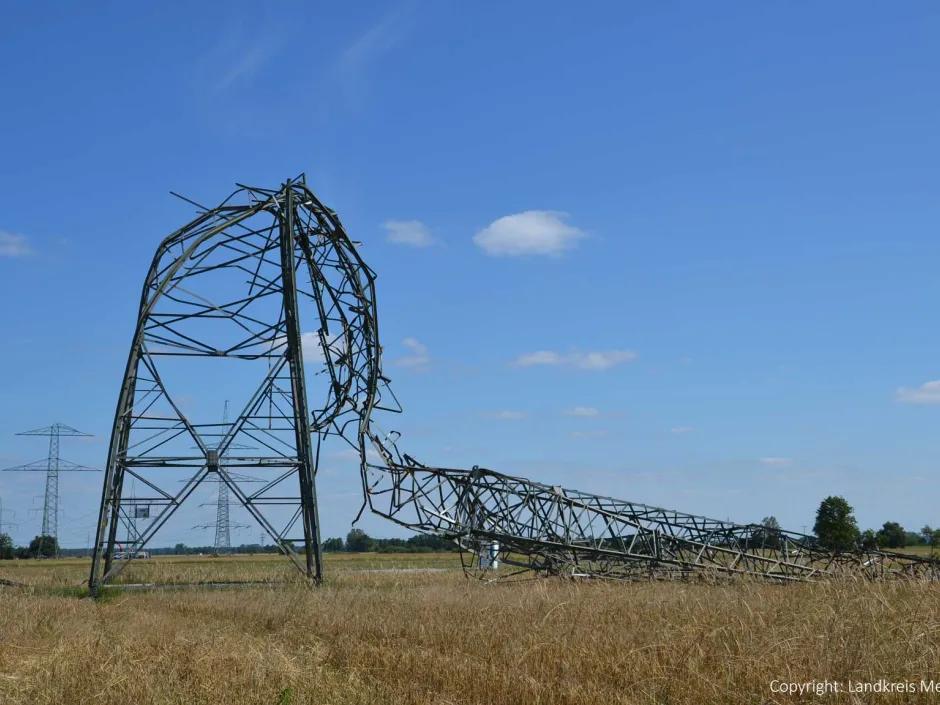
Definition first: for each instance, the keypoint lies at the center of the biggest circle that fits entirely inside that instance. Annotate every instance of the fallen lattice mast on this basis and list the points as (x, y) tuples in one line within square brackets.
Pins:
[(266, 301)]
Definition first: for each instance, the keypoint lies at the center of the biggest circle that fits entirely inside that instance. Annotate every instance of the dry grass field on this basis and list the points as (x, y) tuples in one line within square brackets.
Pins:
[(376, 634)]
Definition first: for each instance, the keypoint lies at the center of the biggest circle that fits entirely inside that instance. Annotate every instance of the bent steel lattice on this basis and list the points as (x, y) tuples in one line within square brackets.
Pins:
[(234, 290)]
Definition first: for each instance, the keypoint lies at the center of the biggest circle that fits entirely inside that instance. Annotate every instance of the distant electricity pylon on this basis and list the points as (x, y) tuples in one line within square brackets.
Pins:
[(223, 526), (2, 522), (52, 466)]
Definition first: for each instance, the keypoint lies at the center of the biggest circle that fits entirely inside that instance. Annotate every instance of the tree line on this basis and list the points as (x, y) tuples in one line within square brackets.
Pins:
[(835, 529), (356, 541), (39, 547)]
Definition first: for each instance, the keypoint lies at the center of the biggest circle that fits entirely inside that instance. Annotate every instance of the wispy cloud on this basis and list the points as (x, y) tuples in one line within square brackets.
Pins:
[(352, 454), (508, 415), (408, 232), (597, 360), (680, 430), (927, 393), (367, 48), (418, 354), (584, 411), (238, 55), (775, 461), (539, 357), (246, 64), (14, 245), (528, 233), (597, 433)]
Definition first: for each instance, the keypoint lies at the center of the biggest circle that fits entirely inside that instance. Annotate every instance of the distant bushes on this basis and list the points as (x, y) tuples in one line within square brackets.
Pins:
[(837, 530), (39, 547), (358, 541)]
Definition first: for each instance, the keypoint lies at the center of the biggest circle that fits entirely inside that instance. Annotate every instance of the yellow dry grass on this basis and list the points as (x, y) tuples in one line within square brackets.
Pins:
[(266, 568), (434, 637)]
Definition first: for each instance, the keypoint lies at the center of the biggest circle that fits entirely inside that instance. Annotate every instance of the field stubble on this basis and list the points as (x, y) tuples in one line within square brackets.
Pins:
[(371, 636)]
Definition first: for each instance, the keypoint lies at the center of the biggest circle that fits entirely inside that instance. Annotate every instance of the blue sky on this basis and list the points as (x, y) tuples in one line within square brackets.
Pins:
[(682, 254)]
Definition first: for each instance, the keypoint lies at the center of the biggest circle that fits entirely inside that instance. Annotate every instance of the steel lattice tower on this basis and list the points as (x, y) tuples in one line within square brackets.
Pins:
[(220, 312), (223, 525), (223, 532), (52, 466)]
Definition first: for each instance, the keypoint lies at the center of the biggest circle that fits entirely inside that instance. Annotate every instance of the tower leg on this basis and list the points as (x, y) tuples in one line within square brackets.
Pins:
[(306, 468)]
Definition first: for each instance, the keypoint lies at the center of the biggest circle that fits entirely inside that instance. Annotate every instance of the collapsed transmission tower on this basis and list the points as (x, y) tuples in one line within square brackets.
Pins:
[(52, 465), (220, 318), (238, 285)]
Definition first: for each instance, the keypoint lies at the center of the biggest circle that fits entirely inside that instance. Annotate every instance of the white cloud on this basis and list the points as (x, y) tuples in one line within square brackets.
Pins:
[(603, 360), (13, 245), (528, 233), (598, 360), (408, 232), (584, 411), (540, 357), (927, 393), (311, 347), (418, 357), (775, 461), (599, 433), (313, 350), (680, 430), (507, 415), (353, 454)]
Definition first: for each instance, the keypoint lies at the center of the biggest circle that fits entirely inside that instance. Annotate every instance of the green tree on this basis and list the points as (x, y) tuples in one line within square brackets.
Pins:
[(892, 535), (869, 539), (835, 525), (930, 536), (358, 540), (430, 543), (6, 547), (43, 547), (768, 536), (333, 544)]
